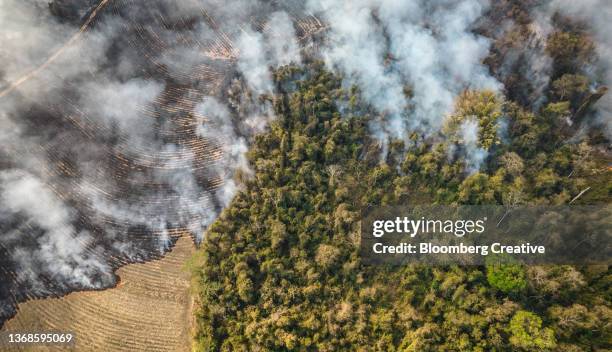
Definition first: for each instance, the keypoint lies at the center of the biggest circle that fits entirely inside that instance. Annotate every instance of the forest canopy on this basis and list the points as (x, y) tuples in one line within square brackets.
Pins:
[(279, 270)]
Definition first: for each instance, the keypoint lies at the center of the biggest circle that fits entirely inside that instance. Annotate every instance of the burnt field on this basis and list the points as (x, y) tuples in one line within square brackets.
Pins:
[(149, 310), (126, 124), (112, 152)]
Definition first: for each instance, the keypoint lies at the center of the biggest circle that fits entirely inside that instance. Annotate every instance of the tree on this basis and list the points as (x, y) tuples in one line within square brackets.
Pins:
[(508, 278), (571, 88), (568, 50), (546, 182), (485, 107), (327, 255), (512, 163), (281, 267), (475, 189), (526, 333)]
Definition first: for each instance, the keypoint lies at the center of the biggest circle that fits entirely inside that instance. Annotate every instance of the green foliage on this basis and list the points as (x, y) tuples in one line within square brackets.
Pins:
[(569, 50), (279, 270), (571, 88), (483, 106), (508, 278), (527, 333), (476, 189)]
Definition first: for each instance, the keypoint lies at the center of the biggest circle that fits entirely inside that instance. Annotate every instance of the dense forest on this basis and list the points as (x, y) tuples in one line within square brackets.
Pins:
[(279, 269)]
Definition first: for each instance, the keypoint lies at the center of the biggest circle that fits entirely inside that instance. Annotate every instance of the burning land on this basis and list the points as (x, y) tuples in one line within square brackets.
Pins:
[(260, 129), (122, 127)]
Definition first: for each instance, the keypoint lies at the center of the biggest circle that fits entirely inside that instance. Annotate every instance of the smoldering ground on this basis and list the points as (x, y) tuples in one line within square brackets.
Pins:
[(123, 140), (124, 122)]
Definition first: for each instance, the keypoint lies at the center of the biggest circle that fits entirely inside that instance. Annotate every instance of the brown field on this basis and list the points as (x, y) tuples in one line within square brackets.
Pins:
[(149, 310)]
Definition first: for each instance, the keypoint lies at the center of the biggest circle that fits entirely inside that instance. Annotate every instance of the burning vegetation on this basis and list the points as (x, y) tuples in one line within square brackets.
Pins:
[(261, 128)]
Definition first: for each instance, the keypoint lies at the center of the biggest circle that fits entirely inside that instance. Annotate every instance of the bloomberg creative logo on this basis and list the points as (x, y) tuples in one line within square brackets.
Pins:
[(464, 234)]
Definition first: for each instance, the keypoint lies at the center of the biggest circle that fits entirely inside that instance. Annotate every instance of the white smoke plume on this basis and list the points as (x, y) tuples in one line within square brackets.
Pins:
[(260, 51), (31, 36), (597, 14), (282, 39), (252, 62), (529, 58), (218, 128), (92, 114), (34, 44), (474, 154), (141, 120), (425, 46), (122, 105), (60, 252)]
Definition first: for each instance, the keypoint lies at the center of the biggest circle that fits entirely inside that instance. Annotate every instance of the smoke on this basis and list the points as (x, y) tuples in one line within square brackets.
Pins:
[(259, 51), (526, 67), (282, 38), (218, 127), (474, 154), (60, 251), (252, 62), (526, 62), (124, 123), (410, 59), (121, 105), (125, 129), (597, 14), (34, 44)]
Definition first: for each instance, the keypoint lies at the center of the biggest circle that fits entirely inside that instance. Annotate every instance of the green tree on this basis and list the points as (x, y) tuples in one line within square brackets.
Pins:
[(508, 278), (475, 189), (527, 334)]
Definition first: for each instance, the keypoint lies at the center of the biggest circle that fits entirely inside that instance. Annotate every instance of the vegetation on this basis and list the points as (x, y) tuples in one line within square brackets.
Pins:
[(508, 278), (280, 271)]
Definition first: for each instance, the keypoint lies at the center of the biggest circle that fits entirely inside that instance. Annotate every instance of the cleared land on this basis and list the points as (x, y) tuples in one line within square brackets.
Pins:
[(150, 310)]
